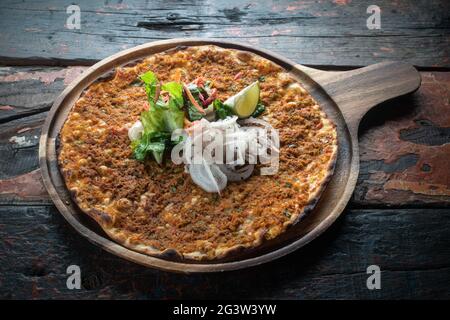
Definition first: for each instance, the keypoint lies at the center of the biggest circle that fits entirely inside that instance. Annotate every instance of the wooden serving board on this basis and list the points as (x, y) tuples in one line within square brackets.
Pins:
[(345, 97)]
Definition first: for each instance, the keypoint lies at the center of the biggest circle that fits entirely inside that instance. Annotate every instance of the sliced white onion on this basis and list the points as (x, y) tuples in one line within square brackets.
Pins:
[(260, 122), (208, 177), (227, 123), (235, 173), (246, 144), (135, 132)]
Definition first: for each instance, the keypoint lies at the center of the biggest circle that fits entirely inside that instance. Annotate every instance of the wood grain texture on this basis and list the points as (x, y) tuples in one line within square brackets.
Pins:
[(308, 32), (19, 142), (403, 145), (409, 172), (410, 246), (359, 90), (29, 90)]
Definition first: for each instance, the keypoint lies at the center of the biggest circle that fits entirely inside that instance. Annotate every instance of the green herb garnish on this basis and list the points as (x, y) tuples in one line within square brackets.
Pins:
[(162, 118), (193, 113), (286, 213), (222, 110), (260, 108)]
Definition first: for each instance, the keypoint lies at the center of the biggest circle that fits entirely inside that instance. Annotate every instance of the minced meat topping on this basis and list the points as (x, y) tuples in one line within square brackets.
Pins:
[(160, 206)]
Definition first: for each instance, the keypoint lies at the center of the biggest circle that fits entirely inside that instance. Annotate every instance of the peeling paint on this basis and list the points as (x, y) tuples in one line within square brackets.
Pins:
[(72, 73), (412, 125), (294, 7), (68, 74), (24, 130), (32, 30), (118, 6), (28, 185), (342, 2), (418, 187), (385, 49), (234, 31), (325, 14), (102, 13), (23, 141), (281, 32), (62, 48)]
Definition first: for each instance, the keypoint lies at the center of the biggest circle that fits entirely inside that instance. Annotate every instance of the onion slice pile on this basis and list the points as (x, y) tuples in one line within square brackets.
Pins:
[(242, 145)]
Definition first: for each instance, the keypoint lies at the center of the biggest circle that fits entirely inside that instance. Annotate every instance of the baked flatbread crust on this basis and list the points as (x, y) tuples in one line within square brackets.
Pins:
[(158, 210)]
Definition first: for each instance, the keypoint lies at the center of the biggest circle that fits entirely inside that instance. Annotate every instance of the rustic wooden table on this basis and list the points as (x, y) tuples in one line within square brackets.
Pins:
[(399, 215)]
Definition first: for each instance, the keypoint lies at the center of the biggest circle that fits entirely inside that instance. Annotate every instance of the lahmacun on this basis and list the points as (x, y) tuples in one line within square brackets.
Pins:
[(156, 208)]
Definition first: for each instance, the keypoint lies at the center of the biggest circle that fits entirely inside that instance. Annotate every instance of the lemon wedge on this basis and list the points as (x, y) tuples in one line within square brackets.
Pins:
[(245, 101)]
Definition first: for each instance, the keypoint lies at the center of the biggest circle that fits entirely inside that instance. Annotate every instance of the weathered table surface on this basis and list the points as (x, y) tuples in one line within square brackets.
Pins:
[(398, 218)]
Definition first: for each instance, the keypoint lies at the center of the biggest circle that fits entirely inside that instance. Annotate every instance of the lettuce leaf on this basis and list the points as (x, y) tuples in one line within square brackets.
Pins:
[(153, 119), (175, 90), (174, 115), (173, 118), (151, 82), (160, 120), (153, 143)]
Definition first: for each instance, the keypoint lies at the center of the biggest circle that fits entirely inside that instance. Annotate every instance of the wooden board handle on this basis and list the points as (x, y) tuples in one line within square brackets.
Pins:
[(356, 91)]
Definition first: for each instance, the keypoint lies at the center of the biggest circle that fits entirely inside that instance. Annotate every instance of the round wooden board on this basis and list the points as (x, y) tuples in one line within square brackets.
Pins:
[(344, 96)]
